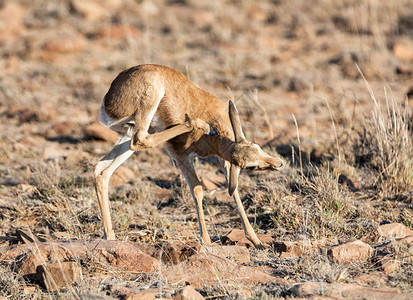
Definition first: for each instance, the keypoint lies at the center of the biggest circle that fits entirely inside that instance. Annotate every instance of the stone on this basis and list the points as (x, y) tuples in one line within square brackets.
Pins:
[(346, 291), (57, 275), (119, 32), (409, 93), (90, 10), (28, 263), (403, 50), (28, 114), (235, 253), (408, 240), (27, 188), (66, 44), (133, 294), (187, 293), (349, 252), (12, 16), (74, 156), (316, 156), (403, 70), (28, 289), (63, 235), (54, 151), (100, 132), (65, 128), (389, 265), (209, 269), (175, 252), (351, 183), (393, 230), (203, 18), (298, 248), (123, 255), (237, 236), (241, 294), (121, 176)]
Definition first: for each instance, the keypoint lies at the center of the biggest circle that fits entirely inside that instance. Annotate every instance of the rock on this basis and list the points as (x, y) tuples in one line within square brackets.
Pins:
[(316, 156), (74, 156), (209, 269), (28, 263), (389, 265), (393, 230), (405, 24), (298, 85), (29, 114), (187, 293), (298, 248), (123, 255), (241, 294), (121, 176), (126, 256), (133, 294), (409, 93), (403, 70), (54, 151), (403, 50), (27, 188), (119, 32), (90, 10), (349, 182), (210, 180), (349, 252), (65, 128), (100, 132), (408, 240), (346, 291), (238, 237), (203, 18), (175, 252), (27, 289), (57, 275), (387, 232), (11, 21), (235, 253), (63, 235), (66, 44)]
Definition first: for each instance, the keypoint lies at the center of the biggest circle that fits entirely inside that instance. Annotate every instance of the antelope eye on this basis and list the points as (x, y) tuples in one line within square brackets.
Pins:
[(251, 168)]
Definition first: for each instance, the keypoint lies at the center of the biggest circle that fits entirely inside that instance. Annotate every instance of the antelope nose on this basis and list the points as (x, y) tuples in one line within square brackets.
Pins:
[(279, 164)]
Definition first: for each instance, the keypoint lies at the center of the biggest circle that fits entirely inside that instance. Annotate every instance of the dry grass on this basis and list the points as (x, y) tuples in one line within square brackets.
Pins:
[(386, 145)]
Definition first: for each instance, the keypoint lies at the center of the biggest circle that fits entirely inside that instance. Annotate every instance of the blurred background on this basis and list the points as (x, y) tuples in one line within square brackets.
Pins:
[(294, 57)]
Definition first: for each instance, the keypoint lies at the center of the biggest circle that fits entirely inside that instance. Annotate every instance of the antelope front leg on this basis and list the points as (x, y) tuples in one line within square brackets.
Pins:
[(187, 168), (142, 140), (249, 231), (103, 171)]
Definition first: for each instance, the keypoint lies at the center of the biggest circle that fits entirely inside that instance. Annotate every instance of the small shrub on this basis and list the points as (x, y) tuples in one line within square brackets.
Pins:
[(386, 145)]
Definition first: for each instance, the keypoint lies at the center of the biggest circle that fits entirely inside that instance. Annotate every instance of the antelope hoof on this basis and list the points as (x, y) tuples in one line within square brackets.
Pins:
[(195, 124), (110, 236), (258, 244)]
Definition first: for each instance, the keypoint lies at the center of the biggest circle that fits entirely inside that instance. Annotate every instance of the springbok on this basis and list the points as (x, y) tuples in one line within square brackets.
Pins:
[(153, 104)]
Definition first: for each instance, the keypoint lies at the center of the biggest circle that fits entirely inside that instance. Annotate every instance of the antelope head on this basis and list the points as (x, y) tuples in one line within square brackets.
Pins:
[(247, 155)]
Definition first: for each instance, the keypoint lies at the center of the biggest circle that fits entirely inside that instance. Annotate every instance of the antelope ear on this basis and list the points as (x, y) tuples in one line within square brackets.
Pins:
[(235, 122), (233, 179)]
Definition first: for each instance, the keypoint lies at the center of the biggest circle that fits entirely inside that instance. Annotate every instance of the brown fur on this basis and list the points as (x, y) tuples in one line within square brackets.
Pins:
[(131, 89), (194, 122)]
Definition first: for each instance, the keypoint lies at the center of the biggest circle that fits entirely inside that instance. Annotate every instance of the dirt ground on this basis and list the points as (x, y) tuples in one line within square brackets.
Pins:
[(325, 84)]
